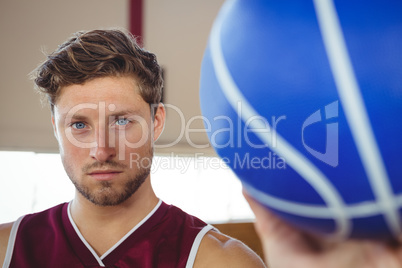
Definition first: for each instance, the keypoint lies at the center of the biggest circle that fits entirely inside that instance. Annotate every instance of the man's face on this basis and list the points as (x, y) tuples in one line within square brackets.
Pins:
[(106, 133)]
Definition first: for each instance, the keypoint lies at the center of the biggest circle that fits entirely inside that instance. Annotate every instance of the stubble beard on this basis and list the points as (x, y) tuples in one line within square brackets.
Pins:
[(106, 193)]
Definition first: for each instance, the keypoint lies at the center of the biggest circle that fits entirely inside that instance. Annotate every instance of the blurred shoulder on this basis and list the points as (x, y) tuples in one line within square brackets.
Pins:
[(219, 250)]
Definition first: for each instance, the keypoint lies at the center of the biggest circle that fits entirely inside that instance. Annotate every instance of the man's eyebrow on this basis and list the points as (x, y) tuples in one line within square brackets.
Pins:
[(82, 117), (74, 117), (123, 113)]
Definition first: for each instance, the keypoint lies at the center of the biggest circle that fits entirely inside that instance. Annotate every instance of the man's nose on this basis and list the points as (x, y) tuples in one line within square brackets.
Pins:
[(104, 150)]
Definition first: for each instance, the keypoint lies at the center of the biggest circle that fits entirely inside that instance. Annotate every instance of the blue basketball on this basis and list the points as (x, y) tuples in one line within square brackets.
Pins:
[(302, 99)]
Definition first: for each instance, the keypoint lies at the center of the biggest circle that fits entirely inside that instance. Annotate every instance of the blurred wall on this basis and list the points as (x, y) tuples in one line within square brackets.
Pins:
[(176, 30), (27, 28)]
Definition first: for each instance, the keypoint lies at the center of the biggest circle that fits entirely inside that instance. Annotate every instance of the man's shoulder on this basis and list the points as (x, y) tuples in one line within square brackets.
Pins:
[(5, 230), (34, 219), (43, 220), (219, 250), (49, 217)]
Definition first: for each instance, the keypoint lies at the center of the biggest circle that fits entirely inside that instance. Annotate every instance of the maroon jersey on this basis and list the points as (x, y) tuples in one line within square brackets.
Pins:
[(166, 237)]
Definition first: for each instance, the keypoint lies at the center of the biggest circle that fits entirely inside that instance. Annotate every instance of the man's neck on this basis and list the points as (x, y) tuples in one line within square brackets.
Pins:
[(102, 226)]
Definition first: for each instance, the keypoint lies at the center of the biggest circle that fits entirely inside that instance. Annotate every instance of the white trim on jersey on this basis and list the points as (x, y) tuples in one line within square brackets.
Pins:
[(99, 259), (196, 245), (11, 242), (82, 237), (132, 230)]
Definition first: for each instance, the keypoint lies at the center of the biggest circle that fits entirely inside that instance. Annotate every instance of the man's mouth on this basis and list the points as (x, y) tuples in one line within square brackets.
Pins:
[(103, 175)]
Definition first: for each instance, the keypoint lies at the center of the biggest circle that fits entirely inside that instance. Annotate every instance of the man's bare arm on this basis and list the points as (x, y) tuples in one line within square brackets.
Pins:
[(5, 230), (219, 250)]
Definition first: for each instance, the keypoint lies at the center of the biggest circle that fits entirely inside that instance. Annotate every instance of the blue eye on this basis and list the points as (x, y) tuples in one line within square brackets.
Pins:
[(122, 121), (78, 125)]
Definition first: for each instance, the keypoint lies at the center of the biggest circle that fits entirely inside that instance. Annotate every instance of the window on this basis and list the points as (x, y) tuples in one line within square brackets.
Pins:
[(202, 186)]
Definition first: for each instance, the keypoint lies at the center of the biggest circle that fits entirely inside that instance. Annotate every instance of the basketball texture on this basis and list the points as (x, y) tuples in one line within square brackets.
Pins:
[(303, 99)]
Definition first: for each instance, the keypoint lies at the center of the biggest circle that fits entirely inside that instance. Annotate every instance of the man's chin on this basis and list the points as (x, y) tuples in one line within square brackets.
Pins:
[(107, 193), (108, 197), (107, 202)]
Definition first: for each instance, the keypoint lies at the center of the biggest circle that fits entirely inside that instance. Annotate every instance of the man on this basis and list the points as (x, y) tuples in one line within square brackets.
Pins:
[(104, 93)]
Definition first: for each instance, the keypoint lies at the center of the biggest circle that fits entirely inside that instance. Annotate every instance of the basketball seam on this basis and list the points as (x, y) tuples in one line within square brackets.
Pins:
[(356, 210), (355, 111)]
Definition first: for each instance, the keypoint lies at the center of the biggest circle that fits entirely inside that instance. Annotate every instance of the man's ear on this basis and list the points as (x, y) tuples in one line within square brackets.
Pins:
[(54, 128), (159, 121)]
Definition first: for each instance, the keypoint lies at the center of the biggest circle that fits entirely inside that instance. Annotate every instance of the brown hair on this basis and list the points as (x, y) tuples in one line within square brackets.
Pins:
[(99, 53)]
